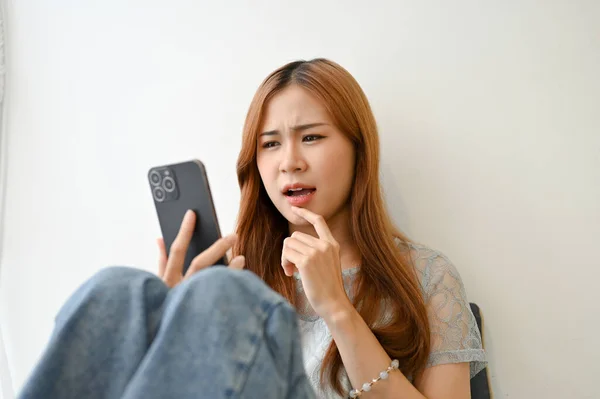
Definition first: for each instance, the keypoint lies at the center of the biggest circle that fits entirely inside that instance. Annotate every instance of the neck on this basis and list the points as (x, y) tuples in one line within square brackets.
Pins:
[(339, 225)]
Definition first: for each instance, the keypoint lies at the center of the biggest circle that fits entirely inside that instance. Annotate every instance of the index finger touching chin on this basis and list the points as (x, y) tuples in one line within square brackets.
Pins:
[(316, 220)]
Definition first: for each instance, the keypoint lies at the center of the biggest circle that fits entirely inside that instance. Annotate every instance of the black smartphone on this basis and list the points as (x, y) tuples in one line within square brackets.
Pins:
[(177, 188)]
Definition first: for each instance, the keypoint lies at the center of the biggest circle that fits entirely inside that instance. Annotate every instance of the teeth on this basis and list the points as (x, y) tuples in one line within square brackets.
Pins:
[(292, 190)]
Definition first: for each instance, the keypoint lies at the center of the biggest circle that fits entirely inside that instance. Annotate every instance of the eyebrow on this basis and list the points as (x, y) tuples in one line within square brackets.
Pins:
[(297, 128)]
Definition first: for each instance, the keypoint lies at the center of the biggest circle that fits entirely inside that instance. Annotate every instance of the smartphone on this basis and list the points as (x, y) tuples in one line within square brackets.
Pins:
[(175, 189)]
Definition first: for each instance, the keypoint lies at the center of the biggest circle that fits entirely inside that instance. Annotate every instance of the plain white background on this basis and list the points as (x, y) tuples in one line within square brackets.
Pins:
[(490, 129)]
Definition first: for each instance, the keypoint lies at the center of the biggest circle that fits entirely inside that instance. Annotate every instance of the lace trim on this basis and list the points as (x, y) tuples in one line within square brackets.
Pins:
[(476, 358)]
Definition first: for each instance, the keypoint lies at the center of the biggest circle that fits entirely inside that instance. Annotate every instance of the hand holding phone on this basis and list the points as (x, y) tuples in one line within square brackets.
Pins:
[(170, 267), (176, 189)]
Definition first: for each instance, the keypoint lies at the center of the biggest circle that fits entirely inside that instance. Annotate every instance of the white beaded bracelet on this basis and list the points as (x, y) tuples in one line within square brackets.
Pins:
[(355, 393)]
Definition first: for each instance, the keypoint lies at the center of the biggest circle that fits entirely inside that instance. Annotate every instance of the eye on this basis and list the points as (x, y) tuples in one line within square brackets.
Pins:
[(312, 137), (270, 144)]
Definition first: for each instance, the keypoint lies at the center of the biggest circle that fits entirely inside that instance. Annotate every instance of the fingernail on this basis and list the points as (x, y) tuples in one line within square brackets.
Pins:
[(189, 213)]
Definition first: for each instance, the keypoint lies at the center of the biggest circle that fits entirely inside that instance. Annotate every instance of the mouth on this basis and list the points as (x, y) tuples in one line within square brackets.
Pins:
[(297, 190), (298, 194)]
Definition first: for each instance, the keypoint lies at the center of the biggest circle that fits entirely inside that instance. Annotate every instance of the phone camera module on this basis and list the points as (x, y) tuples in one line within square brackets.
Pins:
[(159, 194), (169, 184), (155, 178)]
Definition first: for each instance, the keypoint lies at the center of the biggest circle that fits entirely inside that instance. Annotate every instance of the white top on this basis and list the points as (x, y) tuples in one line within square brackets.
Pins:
[(455, 337)]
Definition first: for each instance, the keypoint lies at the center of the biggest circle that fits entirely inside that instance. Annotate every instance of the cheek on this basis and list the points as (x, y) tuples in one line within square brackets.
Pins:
[(267, 175), (337, 167)]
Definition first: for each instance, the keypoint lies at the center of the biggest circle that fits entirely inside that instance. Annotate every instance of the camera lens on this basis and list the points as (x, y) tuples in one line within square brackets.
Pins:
[(159, 194), (169, 184), (155, 178)]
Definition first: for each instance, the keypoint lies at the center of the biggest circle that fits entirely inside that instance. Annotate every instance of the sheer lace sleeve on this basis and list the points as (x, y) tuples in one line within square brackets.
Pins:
[(455, 337)]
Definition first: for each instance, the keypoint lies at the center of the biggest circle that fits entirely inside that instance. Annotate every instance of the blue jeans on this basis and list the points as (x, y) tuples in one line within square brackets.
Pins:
[(220, 334)]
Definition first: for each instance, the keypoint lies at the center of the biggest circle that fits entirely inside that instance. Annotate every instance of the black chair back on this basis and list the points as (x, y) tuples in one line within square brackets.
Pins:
[(480, 387)]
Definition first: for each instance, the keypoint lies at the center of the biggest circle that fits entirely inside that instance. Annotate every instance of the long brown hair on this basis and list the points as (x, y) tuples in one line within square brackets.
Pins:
[(386, 283)]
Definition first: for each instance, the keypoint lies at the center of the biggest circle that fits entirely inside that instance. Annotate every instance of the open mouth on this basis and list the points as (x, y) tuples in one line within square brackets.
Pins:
[(298, 192)]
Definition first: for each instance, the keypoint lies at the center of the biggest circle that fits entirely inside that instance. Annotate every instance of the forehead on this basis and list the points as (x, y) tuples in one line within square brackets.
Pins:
[(293, 106)]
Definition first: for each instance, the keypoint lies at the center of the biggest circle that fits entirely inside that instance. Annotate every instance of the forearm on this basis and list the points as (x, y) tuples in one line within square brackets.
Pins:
[(364, 357)]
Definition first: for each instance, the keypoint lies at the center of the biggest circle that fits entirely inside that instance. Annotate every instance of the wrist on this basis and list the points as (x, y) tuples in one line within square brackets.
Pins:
[(340, 314)]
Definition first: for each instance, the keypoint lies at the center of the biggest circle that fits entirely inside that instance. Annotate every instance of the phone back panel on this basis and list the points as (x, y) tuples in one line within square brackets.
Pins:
[(177, 188)]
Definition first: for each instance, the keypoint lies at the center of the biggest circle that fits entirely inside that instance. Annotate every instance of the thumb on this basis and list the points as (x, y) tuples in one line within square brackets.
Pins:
[(239, 262)]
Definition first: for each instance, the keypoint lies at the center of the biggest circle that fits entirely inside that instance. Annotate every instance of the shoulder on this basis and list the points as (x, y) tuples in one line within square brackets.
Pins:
[(433, 269)]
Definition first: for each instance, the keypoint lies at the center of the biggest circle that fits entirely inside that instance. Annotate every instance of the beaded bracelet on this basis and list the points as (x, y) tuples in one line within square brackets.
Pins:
[(355, 393)]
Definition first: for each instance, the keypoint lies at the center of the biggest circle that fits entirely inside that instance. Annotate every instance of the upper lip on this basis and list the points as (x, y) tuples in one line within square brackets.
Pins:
[(288, 187)]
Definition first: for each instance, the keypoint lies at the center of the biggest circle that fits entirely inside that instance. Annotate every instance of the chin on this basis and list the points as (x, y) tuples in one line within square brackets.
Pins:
[(296, 220)]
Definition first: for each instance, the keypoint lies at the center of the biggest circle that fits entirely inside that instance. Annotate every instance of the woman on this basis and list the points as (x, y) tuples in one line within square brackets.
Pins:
[(379, 316)]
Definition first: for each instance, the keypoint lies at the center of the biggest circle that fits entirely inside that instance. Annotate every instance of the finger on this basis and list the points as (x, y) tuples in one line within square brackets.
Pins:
[(180, 245), (316, 220), (229, 255), (306, 239), (298, 246), (162, 257), (238, 262), (289, 259), (212, 254), (288, 268)]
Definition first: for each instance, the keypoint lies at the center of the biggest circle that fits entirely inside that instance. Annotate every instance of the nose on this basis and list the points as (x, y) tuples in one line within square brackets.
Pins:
[(292, 160)]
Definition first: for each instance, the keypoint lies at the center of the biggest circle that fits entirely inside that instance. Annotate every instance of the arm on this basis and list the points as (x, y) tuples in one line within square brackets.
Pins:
[(364, 358), (455, 341)]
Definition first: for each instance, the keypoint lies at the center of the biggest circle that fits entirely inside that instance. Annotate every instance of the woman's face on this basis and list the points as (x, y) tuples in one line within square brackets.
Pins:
[(303, 159)]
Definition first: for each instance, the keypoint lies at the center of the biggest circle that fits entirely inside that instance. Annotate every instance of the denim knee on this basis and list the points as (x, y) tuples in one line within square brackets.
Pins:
[(219, 283), (115, 279), (112, 286)]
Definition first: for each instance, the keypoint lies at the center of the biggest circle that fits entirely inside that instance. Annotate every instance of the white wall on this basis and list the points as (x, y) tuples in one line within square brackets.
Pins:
[(490, 133)]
